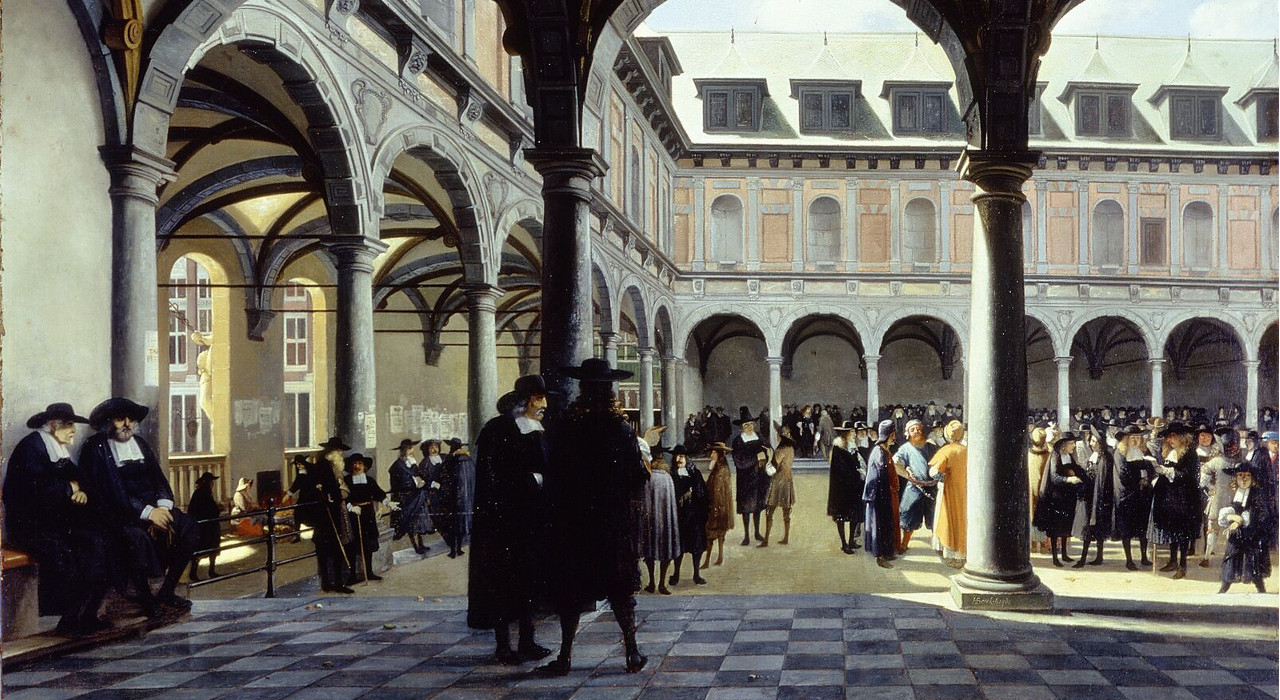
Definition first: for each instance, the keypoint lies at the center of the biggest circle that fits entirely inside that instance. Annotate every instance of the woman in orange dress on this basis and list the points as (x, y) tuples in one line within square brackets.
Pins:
[(949, 466)]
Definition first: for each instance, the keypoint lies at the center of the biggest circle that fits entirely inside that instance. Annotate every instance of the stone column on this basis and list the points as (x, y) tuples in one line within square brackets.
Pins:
[(1251, 393), (355, 395), (1042, 228), (997, 573), (1175, 228), (646, 388), (851, 224), (482, 356), (699, 224), (567, 175), (609, 344), (1064, 390), (752, 214), (873, 388), (670, 416), (944, 225), (798, 233), (1157, 386), (775, 394), (1082, 228), (135, 334), (1134, 216)]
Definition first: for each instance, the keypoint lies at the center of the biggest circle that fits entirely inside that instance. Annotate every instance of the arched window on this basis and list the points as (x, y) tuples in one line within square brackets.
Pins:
[(918, 244), (726, 229), (637, 187), (1197, 236), (190, 313), (299, 367), (824, 230), (1108, 234), (1028, 235)]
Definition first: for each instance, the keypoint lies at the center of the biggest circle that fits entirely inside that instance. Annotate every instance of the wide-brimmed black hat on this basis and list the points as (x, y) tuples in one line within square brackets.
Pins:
[(859, 425), (1132, 429), (1066, 436), (679, 450), (407, 442), (1252, 435), (429, 442), (207, 478), (846, 426), (117, 407), (1176, 428), (1204, 428), (454, 443), (356, 457), (525, 387), (744, 416), (1243, 466), (301, 460), (595, 369), (334, 443), (55, 411)]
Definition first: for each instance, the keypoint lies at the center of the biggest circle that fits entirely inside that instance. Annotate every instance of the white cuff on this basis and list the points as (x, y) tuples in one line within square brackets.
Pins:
[(165, 503), (146, 512), (538, 478)]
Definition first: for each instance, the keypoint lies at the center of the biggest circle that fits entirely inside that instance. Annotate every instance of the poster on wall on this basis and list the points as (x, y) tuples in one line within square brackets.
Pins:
[(396, 420)]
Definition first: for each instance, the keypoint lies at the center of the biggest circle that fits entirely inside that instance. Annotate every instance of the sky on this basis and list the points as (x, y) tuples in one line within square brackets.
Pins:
[(1219, 19)]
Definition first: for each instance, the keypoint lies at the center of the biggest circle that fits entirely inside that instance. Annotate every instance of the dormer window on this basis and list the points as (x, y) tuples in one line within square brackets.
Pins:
[(1035, 120), (1102, 113), (1267, 130), (731, 107), (919, 108), (826, 106), (1195, 116)]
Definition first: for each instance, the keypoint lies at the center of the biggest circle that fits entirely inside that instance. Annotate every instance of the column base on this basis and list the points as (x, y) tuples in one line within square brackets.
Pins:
[(1031, 596)]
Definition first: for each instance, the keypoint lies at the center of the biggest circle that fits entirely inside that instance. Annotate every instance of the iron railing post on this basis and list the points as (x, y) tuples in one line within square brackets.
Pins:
[(271, 548)]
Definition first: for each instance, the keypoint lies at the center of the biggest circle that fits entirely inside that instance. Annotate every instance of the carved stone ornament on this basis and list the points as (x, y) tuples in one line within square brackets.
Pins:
[(1175, 294), (699, 286), (1083, 292), (775, 316), (895, 288), (872, 315), (1250, 322), (1064, 318), (1135, 293), (259, 320), (1224, 295), (1157, 319), (498, 190), (797, 287), (946, 288), (371, 107), (470, 107), (1042, 290), (753, 287), (851, 287)]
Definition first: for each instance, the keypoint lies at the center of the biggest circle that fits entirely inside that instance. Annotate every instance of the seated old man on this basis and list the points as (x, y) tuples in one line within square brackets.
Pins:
[(134, 503), (47, 515)]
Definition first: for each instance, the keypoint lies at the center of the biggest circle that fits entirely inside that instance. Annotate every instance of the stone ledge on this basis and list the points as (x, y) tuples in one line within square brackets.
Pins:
[(1038, 599)]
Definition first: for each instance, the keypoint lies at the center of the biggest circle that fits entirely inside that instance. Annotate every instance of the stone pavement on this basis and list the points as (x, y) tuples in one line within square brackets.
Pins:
[(712, 647)]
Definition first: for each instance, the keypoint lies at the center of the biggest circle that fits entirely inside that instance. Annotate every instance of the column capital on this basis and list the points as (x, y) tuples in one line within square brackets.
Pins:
[(1157, 364), (870, 359), (668, 359), (646, 354), (573, 162), (1251, 365), (483, 297), (137, 173), (608, 337), (999, 174), (774, 362), (1064, 361), (355, 252)]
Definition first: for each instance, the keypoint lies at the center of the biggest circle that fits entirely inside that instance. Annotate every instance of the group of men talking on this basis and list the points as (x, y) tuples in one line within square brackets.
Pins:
[(105, 517)]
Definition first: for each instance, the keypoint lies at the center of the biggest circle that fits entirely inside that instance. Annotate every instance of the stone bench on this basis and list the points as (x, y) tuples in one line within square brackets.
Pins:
[(19, 595)]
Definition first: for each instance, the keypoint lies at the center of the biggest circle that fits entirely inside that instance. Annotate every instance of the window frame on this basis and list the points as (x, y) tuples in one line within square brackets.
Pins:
[(921, 122), (1105, 100), (1199, 100), (732, 94), (1268, 128), (827, 95), (1144, 249), (1035, 111)]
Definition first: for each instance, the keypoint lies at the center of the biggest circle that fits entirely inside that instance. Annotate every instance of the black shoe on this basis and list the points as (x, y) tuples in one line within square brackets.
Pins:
[(558, 667), (461, 551), (169, 600), (635, 662), (1130, 566), (1079, 563), (1223, 588), (745, 541), (374, 577), (213, 574), (507, 657), (343, 589), (1096, 561), (1146, 562), (673, 580), (453, 555), (91, 625), (1180, 573), (1067, 558), (698, 580), (1169, 567), (759, 537), (533, 651)]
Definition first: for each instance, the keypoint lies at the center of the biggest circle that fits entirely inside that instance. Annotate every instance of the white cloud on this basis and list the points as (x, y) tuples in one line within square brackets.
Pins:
[(1235, 19), (1127, 17)]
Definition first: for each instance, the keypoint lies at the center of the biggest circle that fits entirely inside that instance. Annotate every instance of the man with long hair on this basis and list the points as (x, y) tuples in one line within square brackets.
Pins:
[(598, 475)]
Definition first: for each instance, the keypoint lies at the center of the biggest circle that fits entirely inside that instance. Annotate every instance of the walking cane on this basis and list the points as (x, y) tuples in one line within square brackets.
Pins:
[(336, 535), (360, 535)]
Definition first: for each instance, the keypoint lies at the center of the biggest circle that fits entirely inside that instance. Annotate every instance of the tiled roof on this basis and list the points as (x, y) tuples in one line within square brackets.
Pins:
[(874, 59)]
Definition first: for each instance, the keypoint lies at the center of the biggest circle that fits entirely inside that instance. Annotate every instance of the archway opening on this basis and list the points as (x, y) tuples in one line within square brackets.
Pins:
[(1111, 372), (920, 362)]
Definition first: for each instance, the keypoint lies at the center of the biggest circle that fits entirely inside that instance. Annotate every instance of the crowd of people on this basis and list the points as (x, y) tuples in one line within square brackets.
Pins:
[(1109, 416), (1162, 483)]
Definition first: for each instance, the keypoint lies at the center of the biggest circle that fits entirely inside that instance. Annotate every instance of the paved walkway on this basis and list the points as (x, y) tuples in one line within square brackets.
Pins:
[(712, 647)]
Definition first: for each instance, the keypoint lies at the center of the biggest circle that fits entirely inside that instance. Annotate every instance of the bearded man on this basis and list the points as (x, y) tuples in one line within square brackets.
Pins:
[(508, 526), (750, 455), (134, 504), (1175, 510), (920, 491), (47, 515)]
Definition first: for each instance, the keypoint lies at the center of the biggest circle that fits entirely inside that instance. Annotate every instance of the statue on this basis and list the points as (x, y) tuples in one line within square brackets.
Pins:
[(204, 369)]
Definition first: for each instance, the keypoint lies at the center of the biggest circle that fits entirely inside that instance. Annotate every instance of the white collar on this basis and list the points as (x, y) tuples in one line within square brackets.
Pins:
[(359, 478), (435, 459), (55, 449), (126, 451), (752, 438), (1067, 457), (1242, 496), (528, 425), (410, 461)]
